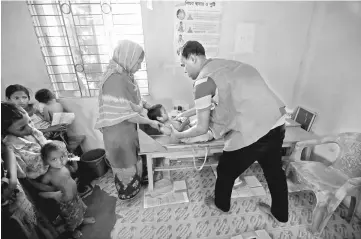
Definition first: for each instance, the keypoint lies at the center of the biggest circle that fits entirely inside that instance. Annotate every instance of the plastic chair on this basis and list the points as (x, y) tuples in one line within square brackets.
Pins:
[(331, 184)]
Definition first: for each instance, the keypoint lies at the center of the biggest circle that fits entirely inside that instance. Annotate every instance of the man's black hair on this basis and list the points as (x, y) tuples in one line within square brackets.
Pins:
[(192, 48)]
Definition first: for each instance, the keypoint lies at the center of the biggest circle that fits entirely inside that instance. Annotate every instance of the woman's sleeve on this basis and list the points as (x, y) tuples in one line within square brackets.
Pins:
[(116, 100)]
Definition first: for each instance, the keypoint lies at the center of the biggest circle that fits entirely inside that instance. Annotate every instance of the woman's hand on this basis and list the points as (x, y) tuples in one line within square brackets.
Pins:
[(155, 124), (146, 105), (137, 108)]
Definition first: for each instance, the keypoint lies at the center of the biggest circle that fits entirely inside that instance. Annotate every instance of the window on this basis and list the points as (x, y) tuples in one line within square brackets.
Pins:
[(77, 38)]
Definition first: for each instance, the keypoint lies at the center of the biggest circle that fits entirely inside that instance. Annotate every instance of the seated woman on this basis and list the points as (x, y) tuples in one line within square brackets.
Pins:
[(18, 215), (19, 95), (26, 141)]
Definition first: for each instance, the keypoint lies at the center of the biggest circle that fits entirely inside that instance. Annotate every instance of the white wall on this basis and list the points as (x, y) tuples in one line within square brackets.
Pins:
[(331, 82), (281, 30), (21, 58)]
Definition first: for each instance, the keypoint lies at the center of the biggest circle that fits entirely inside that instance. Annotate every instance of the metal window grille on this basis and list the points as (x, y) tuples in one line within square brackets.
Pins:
[(77, 37)]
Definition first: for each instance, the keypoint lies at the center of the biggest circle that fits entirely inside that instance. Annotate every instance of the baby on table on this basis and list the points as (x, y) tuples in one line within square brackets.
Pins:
[(159, 113), (72, 208)]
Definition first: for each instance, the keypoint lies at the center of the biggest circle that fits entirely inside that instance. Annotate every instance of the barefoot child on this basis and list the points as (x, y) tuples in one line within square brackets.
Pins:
[(72, 208)]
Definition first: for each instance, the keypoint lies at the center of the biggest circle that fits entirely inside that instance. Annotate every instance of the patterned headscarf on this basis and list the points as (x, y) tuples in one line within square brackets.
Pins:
[(113, 110), (125, 56)]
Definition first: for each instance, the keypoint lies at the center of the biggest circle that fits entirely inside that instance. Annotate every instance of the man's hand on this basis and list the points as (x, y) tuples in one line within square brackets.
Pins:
[(180, 115), (186, 121)]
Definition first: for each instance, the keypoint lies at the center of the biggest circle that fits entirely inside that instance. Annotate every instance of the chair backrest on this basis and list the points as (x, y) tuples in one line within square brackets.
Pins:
[(304, 117), (348, 160)]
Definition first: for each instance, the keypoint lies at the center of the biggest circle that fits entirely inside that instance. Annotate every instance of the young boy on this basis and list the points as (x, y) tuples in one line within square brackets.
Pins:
[(159, 113), (51, 106), (72, 208)]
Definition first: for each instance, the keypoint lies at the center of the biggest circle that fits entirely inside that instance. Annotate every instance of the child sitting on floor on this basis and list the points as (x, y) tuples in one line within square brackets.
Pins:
[(159, 113), (51, 106), (72, 208)]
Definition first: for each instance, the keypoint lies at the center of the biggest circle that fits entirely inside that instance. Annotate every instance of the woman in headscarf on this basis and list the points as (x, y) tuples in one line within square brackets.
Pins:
[(120, 105)]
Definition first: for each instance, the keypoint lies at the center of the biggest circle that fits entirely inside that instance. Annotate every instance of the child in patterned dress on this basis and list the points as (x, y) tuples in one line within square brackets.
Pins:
[(72, 208)]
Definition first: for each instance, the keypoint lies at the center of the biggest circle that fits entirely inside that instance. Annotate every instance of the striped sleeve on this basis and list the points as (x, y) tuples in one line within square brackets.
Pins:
[(204, 90), (116, 104)]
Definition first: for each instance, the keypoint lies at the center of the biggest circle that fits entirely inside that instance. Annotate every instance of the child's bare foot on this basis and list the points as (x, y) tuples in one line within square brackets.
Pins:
[(88, 220), (209, 201), (77, 234)]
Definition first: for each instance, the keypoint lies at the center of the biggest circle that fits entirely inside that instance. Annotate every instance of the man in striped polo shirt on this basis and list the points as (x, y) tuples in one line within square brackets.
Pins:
[(232, 99)]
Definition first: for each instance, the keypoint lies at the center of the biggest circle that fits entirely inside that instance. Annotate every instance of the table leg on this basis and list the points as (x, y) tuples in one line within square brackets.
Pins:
[(166, 174), (150, 172)]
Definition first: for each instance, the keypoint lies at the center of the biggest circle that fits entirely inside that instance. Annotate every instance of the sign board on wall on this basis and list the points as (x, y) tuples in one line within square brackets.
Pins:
[(198, 21)]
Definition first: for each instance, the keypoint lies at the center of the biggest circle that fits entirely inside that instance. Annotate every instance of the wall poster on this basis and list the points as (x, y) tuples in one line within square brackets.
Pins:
[(198, 21)]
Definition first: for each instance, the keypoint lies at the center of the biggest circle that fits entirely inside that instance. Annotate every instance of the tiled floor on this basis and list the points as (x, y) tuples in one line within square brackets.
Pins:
[(124, 220)]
